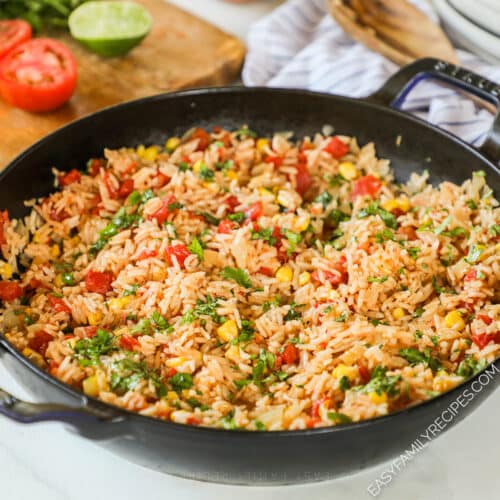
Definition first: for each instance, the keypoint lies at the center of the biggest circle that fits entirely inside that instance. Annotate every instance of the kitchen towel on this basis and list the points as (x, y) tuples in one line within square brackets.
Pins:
[(299, 45)]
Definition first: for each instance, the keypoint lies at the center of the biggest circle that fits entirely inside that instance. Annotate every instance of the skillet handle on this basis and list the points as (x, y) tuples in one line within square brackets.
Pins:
[(395, 90)]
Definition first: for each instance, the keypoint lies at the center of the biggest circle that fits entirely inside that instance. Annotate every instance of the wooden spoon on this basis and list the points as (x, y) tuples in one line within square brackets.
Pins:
[(394, 28)]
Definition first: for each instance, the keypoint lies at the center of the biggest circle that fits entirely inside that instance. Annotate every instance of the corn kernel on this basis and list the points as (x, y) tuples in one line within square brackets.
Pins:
[(34, 357), (261, 144), (402, 204), (75, 241), (351, 372), (378, 399), (172, 144), (304, 278), (284, 273), (233, 353), (228, 331), (197, 166), (483, 255), (283, 199), (37, 237), (94, 318), (265, 192), (172, 396), (140, 150), (175, 362), (213, 186), (118, 304), (348, 170), (55, 251), (58, 281), (443, 382), (5, 271), (302, 223), (398, 313), (454, 320), (90, 386), (232, 175), (149, 153)]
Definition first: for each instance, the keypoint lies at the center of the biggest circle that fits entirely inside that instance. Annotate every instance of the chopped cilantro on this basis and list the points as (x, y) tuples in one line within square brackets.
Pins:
[(88, 351), (236, 274), (131, 290), (471, 204), (415, 357), (344, 383), (470, 366), (238, 217), (382, 279), (338, 418), (181, 381), (196, 248), (205, 173), (414, 251), (292, 313), (127, 374), (324, 198)]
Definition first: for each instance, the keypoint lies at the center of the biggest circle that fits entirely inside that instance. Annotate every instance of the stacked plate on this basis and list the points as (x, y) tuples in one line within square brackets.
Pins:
[(473, 25)]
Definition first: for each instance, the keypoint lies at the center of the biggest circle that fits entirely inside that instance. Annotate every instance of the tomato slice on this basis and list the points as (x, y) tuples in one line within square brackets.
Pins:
[(38, 75), (12, 33)]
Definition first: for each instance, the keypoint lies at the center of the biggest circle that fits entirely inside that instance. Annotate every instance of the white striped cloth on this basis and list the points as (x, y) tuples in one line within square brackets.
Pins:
[(300, 45)]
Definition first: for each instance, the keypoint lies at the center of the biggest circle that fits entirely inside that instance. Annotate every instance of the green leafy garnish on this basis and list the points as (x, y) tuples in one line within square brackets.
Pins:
[(344, 383), (89, 351), (238, 217), (196, 248), (414, 357), (475, 251), (380, 382), (266, 234), (470, 366), (382, 279), (127, 374), (181, 381), (324, 198), (294, 239), (338, 418), (236, 274), (292, 313), (131, 290)]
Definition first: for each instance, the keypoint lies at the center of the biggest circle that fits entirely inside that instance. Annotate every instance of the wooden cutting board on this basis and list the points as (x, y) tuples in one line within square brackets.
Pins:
[(181, 51)]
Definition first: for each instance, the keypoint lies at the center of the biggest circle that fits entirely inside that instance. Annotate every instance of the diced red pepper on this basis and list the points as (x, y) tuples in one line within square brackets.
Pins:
[(290, 354), (254, 211), (40, 342), (99, 282), (129, 343), (126, 187), (180, 252), (485, 319), (161, 179), (471, 275), (171, 372), (53, 366), (4, 220), (231, 202), (334, 279), (164, 211), (226, 140), (336, 147), (10, 290), (482, 339), (316, 405), (146, 254), (192, 420), (93, 167), (364, 373), (130, 168), (266, 271), (302, 179), (204, 139), (277, 236), (312, 421), (110, 186), (409, 232), (225, 226), (69, 178), (58, 216), (58, 305), (366, 186), (275, 161), (89, 331)]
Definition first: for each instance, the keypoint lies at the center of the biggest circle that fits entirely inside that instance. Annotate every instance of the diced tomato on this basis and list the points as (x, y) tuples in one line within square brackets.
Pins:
[(171, 372), (316, 405), (161, 179), (110, 186), (409, 232), (364, 373), (4, 220), (180, 252), (129, 168), (38, 75), (93, 167), (10, 290), (366, 186), (290, 354), (126, 187), (365, 246), (306, 145), (89, 331), (226, 140), (129, 343), (217, 129), (336, 147), (58, 305), (259, 339), (471, 275), (99, 282), (302, 179), (58, 216), (266, 271), (204, 139), (35, 283), (225, 226), (278, 359), (482, 339), (69, 178), (192, 420), (485, 319), (12, 33), (53, 366), (397, 212), (40, 342), (277, 236), (231, 202), (164, 211), (312, 421), (275, 161), (254, 211), (146, 254), (334, 279)]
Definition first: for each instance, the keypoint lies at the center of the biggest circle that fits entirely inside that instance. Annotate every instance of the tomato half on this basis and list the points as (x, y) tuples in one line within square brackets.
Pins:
[(38, 75), (12, 33)]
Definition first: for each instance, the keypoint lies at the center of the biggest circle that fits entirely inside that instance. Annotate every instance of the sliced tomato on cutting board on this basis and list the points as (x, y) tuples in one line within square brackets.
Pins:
[(12, 33), (38, 75)]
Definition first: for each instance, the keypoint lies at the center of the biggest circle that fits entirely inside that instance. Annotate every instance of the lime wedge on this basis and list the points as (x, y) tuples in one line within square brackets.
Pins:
[(110, 28)]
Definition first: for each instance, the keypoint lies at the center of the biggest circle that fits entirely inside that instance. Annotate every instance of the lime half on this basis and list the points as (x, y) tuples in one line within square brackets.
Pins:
[(110, 28)]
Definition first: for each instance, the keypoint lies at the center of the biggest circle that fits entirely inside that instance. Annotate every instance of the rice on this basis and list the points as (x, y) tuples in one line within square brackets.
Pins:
[(226, 280)]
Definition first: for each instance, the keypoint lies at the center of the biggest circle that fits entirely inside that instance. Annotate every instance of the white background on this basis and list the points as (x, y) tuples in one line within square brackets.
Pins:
[(47, 462)]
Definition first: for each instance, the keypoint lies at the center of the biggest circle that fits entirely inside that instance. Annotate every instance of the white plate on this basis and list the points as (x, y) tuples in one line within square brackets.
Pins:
[(480, 12), (467, 34)]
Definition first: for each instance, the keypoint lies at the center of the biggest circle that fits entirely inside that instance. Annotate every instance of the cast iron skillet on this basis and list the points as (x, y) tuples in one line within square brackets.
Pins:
[(239, 456)]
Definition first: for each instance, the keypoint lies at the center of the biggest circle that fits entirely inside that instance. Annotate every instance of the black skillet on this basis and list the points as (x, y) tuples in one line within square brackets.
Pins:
[(239, 456)]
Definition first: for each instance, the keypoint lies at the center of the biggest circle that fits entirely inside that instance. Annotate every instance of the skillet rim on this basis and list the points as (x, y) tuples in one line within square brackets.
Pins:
[(130, 417)]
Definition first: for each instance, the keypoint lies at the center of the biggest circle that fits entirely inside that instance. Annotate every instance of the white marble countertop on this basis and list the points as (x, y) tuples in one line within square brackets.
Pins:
[(48, 462)]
